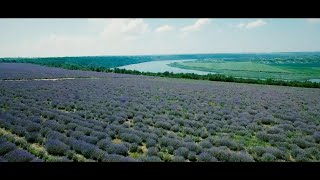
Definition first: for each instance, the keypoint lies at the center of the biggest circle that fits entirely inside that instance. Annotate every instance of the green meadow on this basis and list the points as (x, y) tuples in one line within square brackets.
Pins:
[(255, 69)]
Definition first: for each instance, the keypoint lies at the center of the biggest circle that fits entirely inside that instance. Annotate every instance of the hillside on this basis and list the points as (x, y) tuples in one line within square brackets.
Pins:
[(51, 114)]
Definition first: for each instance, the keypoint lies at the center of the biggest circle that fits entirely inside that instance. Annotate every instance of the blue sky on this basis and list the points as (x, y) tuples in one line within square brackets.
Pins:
[(87, 37)]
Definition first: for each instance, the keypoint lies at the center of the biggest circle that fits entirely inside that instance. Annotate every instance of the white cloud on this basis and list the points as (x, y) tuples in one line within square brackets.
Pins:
[(251, 25), (127, 29), (241, 25), (196, 26), (313, 20), (164, 28), (62, 45), (255, 24), (108, 36)]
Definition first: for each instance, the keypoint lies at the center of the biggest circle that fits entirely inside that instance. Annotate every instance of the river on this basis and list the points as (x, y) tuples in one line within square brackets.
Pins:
[(161, 66)]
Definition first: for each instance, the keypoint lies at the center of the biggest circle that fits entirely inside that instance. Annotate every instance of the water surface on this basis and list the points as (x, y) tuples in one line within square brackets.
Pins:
[(161, 66), (314, 80)]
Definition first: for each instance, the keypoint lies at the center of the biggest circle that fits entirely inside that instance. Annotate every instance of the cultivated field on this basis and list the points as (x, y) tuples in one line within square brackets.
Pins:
[(92, 116), (281, 69)]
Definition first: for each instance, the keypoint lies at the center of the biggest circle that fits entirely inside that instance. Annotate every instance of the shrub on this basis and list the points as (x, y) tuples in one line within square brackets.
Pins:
[(275, 130), (54, 125), (153, 151), (86, 149), (33, 127), (103, 143), (296, 151), (270, 137), (164, 141), (44, 131), (6, 147), (58, 159), (137, 119), (224, 141), (259, 150), (98, 154), (175, 128), (182, 151), (164, 156), (19, 155), (286, 127), (151, 142), (147, 121), (75, 157), (33, 137), (2, 139), (301, 142), (120, 149), (192, 156), (72, 126), (77, 134), (268, 157), (206, 157), (85, 130), (56, 147), (313, 151), (205, 144), (309, 139), (38, 152), (254, 127), (204, 134), (270, 150), (20, 131), (267, 120), (316, 136), (112, 158), (132, 138), (21, 143), (112, 134), (193, 147), (178, 159), (161, 124), (133, 147), (98, 128), (189, 130), (57, 135), (99, 135), (89, 139), (302, 157), (306, 130), (240, 157)]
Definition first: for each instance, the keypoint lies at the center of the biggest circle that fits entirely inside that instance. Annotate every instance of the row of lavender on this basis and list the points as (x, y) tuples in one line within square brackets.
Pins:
[(157, 119), (16, 71)]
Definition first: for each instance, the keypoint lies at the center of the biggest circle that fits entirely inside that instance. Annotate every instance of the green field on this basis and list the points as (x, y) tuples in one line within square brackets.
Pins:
[(249, 69), (236, 66)]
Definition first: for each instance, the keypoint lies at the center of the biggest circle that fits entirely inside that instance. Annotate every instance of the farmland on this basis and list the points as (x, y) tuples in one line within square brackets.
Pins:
[(51, 114), (300, 67)]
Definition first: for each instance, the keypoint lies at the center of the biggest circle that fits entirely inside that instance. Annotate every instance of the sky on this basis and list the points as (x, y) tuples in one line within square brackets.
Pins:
[(95, 37)]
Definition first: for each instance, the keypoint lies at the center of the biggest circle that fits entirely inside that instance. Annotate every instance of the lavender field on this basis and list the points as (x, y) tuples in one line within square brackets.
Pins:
[(107, 117)]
